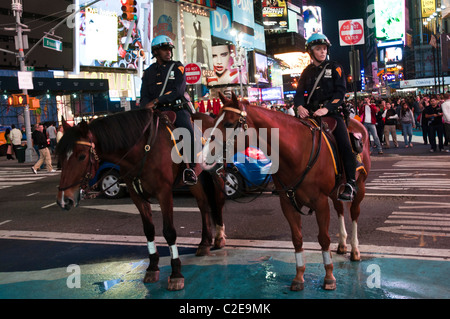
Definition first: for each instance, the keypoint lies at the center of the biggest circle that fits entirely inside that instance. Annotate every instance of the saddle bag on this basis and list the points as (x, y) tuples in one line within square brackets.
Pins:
[(356, 141)]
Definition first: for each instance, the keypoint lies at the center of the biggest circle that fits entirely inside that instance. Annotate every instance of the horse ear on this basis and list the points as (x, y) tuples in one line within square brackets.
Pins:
[(65, 125), (222, 98), (84, 128)]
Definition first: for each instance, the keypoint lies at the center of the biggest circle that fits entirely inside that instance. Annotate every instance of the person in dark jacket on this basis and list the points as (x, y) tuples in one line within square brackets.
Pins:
[(324, 100), (171, 97)]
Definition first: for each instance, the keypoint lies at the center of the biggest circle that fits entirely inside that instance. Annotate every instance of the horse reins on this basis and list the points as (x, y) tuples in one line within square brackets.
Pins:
[(314, 155)]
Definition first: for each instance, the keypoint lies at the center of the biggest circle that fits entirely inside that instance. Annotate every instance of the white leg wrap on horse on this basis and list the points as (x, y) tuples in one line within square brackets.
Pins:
[(220, 231), (342, 230), (151, 247), (174, 251), (326, 257), (300, 259), (355, 241)]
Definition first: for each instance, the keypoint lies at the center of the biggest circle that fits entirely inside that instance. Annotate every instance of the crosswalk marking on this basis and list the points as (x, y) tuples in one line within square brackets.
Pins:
[(17, 176), (429, 215)]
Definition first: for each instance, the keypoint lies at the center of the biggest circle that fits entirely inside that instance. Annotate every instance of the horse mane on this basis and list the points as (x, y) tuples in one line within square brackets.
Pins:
[(119, 131)]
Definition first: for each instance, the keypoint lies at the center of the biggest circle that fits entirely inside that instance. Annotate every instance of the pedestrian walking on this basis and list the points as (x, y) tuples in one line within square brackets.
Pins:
[(40, 140), (368, 118)]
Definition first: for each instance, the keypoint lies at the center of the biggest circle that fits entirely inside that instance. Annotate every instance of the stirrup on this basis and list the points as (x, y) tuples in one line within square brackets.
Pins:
[(345, 197), (189, 177)]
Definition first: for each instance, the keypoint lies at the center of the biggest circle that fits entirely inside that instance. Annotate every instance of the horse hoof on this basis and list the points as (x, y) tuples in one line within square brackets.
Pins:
[(355, 256), (297, 285), (151, 276), (202, 251), (219, 243), (175, 284), (341, 250), (329, 284)]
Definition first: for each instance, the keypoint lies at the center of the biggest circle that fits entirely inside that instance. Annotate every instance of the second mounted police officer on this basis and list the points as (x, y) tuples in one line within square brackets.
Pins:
[(320, 92), (163, 87)]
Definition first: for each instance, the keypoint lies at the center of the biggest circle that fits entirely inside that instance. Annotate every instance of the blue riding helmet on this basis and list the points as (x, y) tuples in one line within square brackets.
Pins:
[(162, 41), (315, 39)]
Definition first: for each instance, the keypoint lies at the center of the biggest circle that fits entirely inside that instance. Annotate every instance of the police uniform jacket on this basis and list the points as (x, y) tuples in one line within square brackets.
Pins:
[(330, 90), (153, 82)]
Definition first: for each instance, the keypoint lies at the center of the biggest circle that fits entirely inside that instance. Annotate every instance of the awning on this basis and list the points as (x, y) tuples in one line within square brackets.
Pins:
[(56, 85)]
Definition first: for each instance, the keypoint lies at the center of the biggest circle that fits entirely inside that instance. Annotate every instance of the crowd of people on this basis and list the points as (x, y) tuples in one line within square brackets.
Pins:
[(428, 113)]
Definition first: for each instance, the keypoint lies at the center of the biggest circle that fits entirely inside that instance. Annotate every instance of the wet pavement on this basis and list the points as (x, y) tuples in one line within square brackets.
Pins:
[(233, 273)]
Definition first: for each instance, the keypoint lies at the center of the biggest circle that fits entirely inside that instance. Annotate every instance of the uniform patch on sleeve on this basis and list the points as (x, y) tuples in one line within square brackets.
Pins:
[(339, 70), (181, 68), (335, 101)]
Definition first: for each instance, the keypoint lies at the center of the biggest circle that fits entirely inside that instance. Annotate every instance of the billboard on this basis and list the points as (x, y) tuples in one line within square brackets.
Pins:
[(312, 16), (391, 54), (103, 33), (225, 64), (390, 19), (293, 62), (261, 68), (197, 37), (275, 15)]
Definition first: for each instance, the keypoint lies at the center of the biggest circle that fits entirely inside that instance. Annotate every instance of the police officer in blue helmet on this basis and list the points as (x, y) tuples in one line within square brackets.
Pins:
[(163, 88), (320, 92)]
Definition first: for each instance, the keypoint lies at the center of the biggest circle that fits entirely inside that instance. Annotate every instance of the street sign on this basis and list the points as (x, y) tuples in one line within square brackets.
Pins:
[(351, 32), (193, 73), (52, 44)]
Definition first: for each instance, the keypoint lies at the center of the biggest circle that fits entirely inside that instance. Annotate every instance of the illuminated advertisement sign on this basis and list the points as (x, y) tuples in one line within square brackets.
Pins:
[(243, 12), (196, 36), (103, 35), (272, 94), (261, 69), (391, 54), (275, 15), (312, 16), (226, 66), (428, 7), (293, 62), (390, 19)]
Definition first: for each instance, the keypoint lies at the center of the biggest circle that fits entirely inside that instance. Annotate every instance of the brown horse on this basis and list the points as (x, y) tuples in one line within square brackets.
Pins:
[(306, 174), (141, 143)]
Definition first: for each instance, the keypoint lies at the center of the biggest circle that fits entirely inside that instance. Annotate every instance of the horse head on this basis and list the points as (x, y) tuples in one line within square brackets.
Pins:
[(231, 120), (79, 162)]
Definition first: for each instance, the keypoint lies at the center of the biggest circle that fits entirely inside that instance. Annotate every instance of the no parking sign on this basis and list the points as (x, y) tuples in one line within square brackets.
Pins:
[(351, 32)]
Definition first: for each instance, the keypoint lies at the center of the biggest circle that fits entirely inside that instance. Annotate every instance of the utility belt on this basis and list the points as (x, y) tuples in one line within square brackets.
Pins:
[(174, 106), (314, 106)]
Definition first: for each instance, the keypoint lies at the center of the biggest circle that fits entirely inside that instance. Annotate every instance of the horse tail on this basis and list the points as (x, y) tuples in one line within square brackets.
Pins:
[(210, 188)]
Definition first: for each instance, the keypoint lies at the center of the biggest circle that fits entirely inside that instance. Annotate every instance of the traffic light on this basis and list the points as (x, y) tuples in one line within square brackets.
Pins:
[(17, 100), (129, 9), (10, 100), (34, 104)]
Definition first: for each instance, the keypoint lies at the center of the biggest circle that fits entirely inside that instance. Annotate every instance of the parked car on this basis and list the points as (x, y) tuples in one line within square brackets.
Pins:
[(248, 172), (110, 184)]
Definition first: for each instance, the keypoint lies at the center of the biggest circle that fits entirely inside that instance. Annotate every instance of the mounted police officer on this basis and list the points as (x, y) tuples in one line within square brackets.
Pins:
[(320, 92), (163, 88)]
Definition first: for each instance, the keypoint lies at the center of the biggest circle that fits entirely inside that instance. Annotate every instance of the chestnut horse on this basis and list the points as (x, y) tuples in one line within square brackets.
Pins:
[(141, 143), (306, 174)]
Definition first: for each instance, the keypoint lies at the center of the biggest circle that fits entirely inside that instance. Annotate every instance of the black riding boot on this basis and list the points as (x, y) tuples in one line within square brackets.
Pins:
[(189, 176), (349, 191)]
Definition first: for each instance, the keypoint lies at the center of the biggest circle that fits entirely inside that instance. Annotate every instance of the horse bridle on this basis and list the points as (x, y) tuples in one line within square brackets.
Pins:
[(93, 165)]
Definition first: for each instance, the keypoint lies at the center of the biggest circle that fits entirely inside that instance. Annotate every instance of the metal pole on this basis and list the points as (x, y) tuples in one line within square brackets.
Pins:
[(17, 9)]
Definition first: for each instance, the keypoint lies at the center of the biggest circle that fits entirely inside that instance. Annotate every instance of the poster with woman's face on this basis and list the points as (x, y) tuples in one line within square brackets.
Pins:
[(226, 66)]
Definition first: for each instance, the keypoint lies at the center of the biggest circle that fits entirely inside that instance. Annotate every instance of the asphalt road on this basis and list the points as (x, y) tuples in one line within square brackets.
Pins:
[(407, 205)]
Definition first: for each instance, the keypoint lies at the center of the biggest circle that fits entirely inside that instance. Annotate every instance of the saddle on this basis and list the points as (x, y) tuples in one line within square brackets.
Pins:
[(329, 125)]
